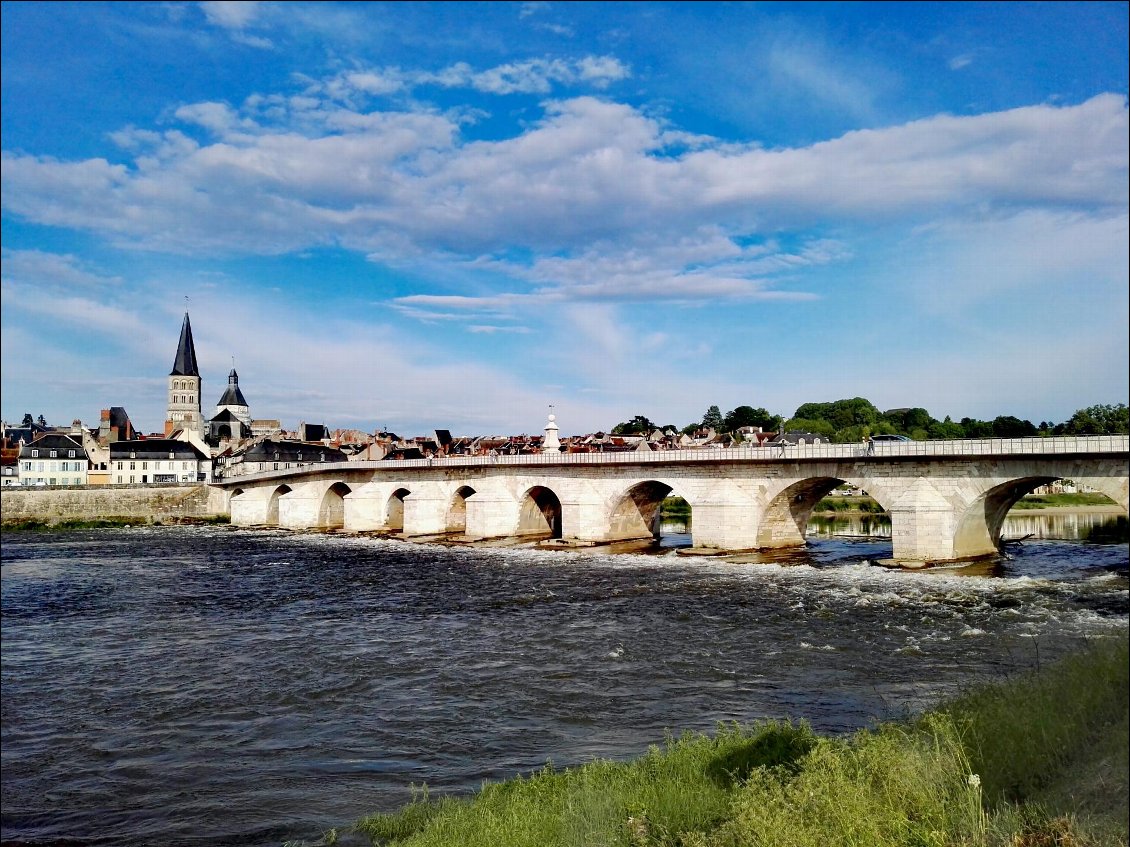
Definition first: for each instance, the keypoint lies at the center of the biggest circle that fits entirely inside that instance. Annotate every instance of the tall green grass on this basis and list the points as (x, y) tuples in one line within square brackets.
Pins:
[(848, 504), (1034, 761), (108, 522), (1043, 501)]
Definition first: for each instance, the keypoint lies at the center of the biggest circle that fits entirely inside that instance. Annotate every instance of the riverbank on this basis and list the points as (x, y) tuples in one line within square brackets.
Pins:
[(133, 504), (1039, 759)]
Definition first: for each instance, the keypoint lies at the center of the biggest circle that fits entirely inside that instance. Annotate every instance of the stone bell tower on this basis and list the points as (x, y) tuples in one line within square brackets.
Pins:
[(184, 387)]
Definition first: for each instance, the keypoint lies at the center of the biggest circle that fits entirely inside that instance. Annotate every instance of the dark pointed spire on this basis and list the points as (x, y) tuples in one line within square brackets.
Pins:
[(232, 395), (185, 364)]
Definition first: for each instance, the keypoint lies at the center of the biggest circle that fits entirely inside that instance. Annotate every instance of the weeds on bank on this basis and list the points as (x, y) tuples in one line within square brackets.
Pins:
[(112, 522), (1043, 501), (1037, 761), (863, 505), (37, 525)]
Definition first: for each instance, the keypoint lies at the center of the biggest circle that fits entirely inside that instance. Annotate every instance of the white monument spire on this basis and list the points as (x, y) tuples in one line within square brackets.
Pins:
[(551, 444)]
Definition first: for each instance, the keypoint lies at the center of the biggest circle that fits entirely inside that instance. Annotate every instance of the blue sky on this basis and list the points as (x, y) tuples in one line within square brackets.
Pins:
[(452, 215)]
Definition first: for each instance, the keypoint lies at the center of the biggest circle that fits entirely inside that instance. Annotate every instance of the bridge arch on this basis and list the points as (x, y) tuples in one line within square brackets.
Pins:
[(456, 519), (978, 530), (539, 513), (636, 513), (331, 509), (271, 518), (394, 510), (784, 522)]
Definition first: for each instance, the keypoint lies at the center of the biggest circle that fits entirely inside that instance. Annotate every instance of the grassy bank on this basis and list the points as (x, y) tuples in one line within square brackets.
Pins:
[(854, 505), (113, 521), (1033, 761), (1044, 501)]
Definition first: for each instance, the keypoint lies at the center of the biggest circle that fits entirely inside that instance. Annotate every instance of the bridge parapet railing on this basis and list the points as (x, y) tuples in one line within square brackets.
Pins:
[(769, 453)]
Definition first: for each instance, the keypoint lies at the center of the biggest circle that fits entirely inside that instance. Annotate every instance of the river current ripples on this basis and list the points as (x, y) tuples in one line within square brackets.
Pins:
[(213, 686)]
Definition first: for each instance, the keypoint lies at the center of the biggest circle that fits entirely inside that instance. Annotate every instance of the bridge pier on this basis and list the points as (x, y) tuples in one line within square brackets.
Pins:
[(725, 526), (253, 507), (298, 508), (425, 512), (366, 507), (926, 536), (491, 514)]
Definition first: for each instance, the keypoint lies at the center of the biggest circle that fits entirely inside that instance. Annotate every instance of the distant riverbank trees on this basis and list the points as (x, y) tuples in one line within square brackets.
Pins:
[(845, 421)]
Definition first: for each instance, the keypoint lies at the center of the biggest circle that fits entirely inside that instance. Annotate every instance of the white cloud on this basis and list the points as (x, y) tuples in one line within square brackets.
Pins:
[(484, 329), (37, 269), (590, 191), (529, 76), (230, 14)]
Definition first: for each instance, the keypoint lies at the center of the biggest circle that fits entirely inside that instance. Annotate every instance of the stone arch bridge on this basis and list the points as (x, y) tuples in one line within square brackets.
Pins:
[(947, 499)]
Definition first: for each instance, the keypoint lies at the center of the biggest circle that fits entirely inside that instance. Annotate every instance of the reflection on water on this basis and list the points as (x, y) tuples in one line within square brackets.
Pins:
[(850, 526), (1073, 526)]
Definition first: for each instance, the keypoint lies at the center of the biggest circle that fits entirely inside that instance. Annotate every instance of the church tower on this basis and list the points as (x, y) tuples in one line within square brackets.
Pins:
[(184, 387)]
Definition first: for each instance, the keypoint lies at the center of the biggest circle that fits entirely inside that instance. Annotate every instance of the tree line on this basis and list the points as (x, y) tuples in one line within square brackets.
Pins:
[(843, 421)]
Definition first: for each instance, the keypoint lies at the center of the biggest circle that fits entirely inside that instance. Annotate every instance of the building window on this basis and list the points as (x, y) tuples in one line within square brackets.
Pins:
[(71, 454), (54, 453), (132, 465), (131, 478), (34, 454), (145, 466)]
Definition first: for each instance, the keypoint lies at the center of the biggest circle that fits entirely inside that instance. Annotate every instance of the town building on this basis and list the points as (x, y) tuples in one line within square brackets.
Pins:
[(115, 425), (278, 454), (157, 461), (10, 468), (54, 458)]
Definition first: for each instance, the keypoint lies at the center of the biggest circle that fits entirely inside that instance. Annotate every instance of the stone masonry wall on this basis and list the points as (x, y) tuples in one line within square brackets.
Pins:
[(142, 502)]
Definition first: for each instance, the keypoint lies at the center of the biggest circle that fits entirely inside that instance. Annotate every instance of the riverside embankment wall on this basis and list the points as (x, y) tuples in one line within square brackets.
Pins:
[(145, 502)]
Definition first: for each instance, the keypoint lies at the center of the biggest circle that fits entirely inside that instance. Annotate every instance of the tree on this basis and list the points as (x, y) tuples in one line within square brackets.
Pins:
[(974, 428), (1007, 426), (639, 425), (749, 416), (1097, 420), (713, 419), (841, 414), (906, 420), (947, 430)]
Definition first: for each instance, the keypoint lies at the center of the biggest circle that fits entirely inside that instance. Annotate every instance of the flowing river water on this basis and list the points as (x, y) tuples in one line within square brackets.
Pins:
[(213, 686)]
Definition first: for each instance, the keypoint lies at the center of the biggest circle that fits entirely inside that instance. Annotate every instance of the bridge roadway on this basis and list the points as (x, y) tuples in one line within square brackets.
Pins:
[(947, 499)]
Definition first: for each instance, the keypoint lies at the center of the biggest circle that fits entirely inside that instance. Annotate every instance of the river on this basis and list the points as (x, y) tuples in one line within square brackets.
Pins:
[(214, 686)]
